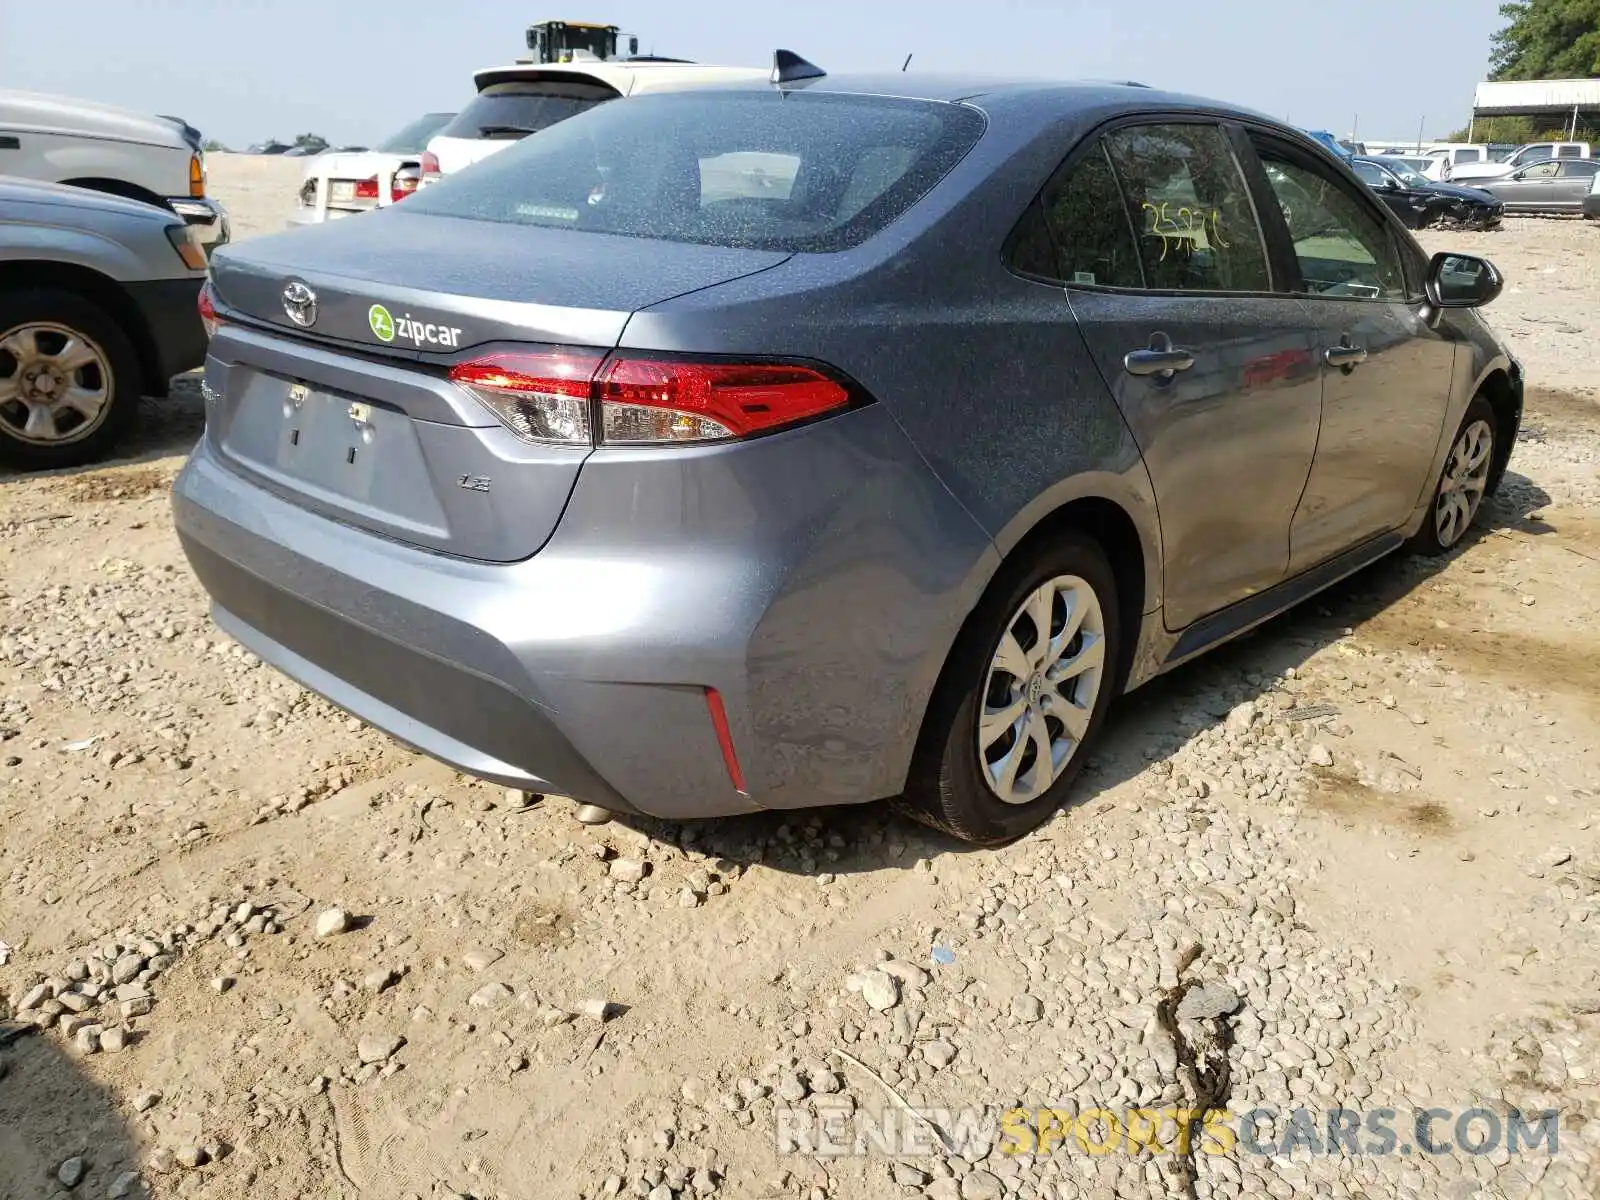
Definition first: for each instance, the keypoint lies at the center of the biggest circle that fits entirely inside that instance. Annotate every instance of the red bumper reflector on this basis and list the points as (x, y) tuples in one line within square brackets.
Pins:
[(719, 722)]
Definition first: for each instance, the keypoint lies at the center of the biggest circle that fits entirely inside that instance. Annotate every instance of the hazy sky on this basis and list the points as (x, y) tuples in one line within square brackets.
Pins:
[(245, 70)]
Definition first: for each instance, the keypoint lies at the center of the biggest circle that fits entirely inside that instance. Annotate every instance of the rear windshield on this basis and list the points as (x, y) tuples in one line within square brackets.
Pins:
[(413, 139), (802, 172), (516, 109)]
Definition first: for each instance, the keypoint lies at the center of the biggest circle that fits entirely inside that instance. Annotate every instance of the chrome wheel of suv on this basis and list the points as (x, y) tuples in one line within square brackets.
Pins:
[(55, 384)]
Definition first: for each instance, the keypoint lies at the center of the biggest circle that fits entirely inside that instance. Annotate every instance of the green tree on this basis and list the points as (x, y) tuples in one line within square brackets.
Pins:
[(1547, 39)]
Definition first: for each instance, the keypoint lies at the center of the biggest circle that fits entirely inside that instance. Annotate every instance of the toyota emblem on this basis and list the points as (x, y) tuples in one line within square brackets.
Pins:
[(300, 303)]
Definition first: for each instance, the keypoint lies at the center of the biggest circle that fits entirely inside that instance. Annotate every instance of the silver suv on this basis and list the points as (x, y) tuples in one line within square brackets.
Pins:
[(97, 307)]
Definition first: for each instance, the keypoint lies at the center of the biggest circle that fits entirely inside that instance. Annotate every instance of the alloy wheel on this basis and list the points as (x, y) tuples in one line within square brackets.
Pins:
[(1466, 474), (55, 384), (1040, 690)]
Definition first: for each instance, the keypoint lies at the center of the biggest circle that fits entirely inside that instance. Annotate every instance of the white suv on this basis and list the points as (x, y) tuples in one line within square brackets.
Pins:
[(57, 139), (514, 101)]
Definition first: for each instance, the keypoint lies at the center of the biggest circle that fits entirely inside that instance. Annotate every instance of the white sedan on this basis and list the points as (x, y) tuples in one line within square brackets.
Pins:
[(342, 183)]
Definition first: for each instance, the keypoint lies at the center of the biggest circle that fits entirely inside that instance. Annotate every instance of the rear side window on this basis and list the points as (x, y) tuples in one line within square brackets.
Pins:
[(1078, 230), (1581, 169), (759, 170), (515, 109), (1569, 152), (1190, 208)]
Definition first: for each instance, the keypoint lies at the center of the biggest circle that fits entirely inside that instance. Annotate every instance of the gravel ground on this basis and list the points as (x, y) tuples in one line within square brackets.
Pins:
[(1349, 863)]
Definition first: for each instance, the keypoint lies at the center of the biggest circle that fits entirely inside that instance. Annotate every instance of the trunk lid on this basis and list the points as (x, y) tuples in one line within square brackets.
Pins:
[(352, 414)]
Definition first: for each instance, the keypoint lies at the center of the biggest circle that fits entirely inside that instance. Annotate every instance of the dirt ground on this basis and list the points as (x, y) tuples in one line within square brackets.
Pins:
[(1369, 827)]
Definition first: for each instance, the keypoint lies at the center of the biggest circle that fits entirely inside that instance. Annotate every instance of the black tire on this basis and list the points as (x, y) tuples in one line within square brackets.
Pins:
[(123, 382), (1439, 537), (947, 788)]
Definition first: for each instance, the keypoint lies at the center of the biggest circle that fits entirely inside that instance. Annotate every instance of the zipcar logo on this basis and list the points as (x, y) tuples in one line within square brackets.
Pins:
[(385, 328)]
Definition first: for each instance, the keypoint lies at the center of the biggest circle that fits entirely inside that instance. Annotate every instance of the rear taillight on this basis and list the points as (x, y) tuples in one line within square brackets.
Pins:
[(540, 397), (405, 183), (584, 398), (650, 400), (208, 309), (367, 189), (430, 165)]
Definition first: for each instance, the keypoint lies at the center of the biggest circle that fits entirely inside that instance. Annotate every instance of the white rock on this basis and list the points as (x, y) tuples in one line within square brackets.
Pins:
[(1319, 755), (490, 995), (627, 870), (378, 1047), (880, 990), (331, 922)]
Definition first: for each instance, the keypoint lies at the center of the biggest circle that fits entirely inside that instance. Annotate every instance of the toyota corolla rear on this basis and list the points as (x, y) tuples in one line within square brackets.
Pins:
[(443, 486)]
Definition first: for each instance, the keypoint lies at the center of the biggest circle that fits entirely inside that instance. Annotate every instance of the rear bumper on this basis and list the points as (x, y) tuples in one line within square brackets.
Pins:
[(821, 622), (168, 307)]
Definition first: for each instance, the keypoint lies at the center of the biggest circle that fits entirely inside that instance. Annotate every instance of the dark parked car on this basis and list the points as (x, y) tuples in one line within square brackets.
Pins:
[(770, 446), (1419, 202)]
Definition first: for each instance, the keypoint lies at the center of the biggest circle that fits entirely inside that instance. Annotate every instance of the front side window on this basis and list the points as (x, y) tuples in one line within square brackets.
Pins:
[(1342, 247), (1533, 153), (1544, 170), (1190, 208)]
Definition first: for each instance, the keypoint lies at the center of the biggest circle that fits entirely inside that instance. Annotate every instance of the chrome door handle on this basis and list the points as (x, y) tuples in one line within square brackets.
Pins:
[(1159, 358), (1344, 356)]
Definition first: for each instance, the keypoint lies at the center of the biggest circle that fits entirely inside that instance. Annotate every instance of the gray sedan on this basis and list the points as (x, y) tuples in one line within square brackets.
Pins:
[(823, 441), (1556, 185), (98, 300)]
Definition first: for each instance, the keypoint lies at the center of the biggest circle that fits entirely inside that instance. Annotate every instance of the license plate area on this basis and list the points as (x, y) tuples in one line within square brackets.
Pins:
[(333, 441), (342, 189)]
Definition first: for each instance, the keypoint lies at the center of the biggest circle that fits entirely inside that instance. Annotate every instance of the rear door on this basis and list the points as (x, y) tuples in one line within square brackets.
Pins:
[(1531, 189), (1575, 181), (1386, 374), (1166, 272)]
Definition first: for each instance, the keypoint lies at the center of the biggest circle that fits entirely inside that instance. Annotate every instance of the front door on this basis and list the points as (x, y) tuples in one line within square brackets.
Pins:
[(1167, 274), (1386, 375)]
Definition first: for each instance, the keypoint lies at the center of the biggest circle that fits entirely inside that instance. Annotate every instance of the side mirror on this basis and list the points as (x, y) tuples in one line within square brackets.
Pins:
[(1462, 281)]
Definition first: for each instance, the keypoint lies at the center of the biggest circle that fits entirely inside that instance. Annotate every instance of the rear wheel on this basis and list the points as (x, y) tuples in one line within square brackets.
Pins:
[(1023, 694), (69, 380), (1458, 496)]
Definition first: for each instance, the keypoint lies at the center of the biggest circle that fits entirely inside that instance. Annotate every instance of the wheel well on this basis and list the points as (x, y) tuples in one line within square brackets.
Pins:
[(1502, 397), (1118, 537), (1111, 526), (102, 290), (121, 187)]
